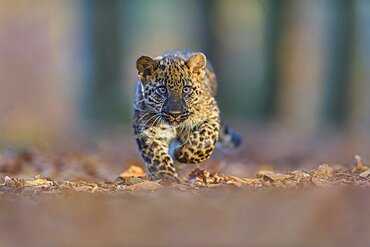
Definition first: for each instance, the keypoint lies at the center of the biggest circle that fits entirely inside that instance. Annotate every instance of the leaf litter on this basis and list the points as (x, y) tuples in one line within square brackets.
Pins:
[(91, 175)]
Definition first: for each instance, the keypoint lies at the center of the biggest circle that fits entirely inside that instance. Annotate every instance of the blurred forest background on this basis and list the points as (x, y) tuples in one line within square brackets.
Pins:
[(294, 78), (287, 67)]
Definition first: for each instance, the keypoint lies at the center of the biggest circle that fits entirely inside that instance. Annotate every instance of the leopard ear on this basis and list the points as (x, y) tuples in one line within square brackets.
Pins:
[(197, 62), (146, 66)]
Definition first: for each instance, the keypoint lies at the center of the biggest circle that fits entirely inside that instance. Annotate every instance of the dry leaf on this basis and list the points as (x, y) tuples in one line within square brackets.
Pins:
[(262, 173), (83, 188), (243, 182), (233, 178), (270, 176), (252, 181), (204, 177), (278, 177), (133, 171), (95, 189), (325, 169), (38, 181), (365, 174), (128, 180), (360, 167), (8, 181)]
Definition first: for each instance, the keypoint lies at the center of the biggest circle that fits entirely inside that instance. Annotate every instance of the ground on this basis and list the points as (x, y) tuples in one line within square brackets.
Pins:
[(81, 199)]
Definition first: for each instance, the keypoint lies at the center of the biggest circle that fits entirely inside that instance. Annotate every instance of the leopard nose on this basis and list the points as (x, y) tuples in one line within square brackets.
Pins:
[(175, 114)]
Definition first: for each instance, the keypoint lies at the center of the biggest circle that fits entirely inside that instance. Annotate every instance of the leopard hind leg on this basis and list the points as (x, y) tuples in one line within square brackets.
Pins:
[(229, 139)]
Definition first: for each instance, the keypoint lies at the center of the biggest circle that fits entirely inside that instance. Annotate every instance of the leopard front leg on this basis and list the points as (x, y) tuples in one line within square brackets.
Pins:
[(200, 144), (154, 147)]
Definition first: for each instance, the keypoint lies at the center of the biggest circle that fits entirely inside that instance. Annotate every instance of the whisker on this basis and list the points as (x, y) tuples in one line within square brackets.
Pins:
[(146, 114), (142, 118), (155, 120), (149, 120)]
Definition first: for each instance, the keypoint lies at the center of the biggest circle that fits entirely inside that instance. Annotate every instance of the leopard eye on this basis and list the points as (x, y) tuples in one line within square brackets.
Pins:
[(161, 90), (187, 90)]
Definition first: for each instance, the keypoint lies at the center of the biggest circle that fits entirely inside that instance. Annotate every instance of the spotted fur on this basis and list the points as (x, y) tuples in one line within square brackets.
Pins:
[(174, 100)]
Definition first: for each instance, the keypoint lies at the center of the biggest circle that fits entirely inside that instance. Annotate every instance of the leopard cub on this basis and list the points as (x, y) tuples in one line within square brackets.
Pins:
[(175, 101)]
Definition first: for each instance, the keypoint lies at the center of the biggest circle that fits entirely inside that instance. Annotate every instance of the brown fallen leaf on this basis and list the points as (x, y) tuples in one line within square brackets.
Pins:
[(128, 180), (203, 177), (236, 179), (38, 181), (280, 177), (276, 177), (365, 174), (325, 169), (262, 173), (267, 179), (270, 176), (8, 181), (96, 187), (360, 167), (252, 181), (133, 171), (239, 182), (196, 172), (323, 176), (146, 186)]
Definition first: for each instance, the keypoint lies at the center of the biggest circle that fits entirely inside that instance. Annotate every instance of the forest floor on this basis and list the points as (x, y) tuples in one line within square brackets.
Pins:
[(74, 199), (86, 172)]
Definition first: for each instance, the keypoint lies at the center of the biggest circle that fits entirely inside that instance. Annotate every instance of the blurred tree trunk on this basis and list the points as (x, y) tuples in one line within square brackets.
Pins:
[(105, 104), (238, 32), (339, 56), (360, 102), (301, 62), (209, 42), (272, 40)]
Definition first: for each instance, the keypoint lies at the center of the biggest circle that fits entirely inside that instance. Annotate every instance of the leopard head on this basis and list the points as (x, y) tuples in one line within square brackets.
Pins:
[(171, 86)]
